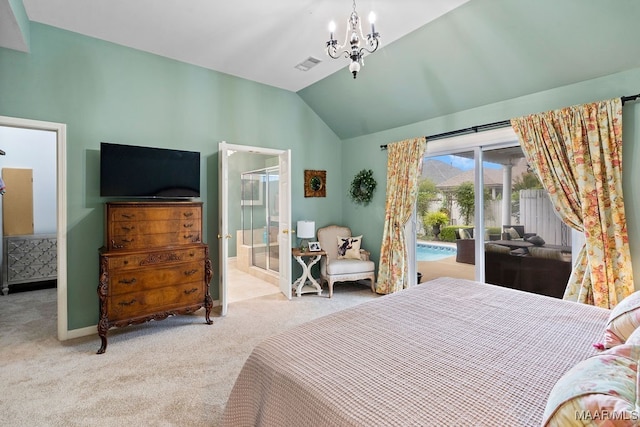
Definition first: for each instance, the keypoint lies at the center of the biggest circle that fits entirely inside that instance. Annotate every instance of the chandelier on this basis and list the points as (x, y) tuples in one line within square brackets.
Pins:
[(353, 37)]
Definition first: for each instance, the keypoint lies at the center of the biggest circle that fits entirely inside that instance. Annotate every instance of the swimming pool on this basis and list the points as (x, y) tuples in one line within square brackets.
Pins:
[(433, 252)]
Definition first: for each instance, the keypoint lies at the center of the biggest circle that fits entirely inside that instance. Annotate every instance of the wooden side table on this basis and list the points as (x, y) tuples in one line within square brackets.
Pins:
[(306, 283)]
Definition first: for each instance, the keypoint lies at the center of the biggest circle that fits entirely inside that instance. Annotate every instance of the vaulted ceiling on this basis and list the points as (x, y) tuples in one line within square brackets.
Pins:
[(437, 56)]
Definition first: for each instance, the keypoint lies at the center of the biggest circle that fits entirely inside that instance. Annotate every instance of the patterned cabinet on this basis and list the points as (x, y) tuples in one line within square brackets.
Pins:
[(29, 258), (153, 264)]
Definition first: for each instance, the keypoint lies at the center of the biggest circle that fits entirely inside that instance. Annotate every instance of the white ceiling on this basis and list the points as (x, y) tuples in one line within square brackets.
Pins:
[(257, 40)]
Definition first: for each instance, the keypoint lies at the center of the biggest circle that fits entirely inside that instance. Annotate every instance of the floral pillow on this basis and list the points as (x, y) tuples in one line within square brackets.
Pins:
[(623, 320), (601, 390), (349, 247), (634, 338)]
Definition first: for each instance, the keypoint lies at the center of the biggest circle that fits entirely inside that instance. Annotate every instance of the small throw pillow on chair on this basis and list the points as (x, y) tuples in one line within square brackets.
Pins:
[(349, 247)]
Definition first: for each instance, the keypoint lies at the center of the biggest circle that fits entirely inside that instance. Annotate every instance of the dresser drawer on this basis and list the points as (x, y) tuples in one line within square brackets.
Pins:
[(176, 238), (133, 260), (121, 282), (140, 304), (132, 228), (160, 213)]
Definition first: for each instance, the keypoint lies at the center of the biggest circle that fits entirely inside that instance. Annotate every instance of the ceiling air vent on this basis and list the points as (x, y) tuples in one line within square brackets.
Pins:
[(308, 64)]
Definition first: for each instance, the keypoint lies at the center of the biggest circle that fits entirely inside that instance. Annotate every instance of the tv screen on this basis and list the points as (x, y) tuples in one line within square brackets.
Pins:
[(132, 171)]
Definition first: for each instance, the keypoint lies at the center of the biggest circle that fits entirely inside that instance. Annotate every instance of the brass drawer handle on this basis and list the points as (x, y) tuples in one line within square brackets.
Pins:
[(188, 214), (128, 281), (189, 225), (128, 228), (190, 291), (127, 240), (126, 304), (188, 236), (128, 216), (190, 272)]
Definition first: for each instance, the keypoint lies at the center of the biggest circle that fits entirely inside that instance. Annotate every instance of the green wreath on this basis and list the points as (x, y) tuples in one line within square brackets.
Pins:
[(362, 187)]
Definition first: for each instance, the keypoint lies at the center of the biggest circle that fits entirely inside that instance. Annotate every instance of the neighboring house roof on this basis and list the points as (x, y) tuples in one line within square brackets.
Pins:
[(438, 171), (492, 177)]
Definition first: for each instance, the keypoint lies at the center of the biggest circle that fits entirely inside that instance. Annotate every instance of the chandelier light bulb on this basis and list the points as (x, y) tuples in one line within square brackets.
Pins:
[(372, 17), (332, 27)]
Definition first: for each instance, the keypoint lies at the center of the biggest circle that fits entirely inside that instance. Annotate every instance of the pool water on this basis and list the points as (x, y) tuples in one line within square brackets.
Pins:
[(431, 252)]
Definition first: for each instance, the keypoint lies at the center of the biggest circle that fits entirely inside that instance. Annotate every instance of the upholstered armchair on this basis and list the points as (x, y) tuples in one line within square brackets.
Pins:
[(345, 260)]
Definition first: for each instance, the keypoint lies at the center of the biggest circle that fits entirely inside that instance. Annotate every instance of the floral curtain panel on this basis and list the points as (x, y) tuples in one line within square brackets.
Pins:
[(403, 169), (577, 154)]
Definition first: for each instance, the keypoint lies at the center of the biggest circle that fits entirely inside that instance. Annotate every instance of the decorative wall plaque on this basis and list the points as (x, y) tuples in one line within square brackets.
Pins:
[(315, 183)]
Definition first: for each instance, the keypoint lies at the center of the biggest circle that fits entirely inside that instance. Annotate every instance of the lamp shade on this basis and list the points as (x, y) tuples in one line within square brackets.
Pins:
[(306, 229)]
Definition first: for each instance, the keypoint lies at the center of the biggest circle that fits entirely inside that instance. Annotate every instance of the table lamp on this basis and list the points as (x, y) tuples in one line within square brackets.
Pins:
[(306, 230)]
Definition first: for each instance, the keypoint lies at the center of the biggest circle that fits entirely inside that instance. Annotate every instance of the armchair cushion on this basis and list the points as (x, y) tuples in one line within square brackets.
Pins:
[(349, 266), (349, 247)]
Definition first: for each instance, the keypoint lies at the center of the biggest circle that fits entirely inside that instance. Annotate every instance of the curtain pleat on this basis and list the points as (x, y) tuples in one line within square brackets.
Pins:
[(403, 170)]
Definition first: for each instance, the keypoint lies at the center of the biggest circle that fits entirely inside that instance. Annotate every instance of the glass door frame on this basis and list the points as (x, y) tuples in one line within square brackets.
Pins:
[(476, 143)]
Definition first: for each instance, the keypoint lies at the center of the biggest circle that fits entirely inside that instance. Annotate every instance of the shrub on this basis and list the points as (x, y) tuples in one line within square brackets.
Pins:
[(448, 233), (436, 218)]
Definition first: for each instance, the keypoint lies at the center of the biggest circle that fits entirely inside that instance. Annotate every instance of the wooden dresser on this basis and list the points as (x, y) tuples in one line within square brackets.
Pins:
[(153, 264)]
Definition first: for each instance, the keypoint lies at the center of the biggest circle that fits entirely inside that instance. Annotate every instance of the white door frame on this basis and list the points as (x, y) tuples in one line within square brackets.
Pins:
[(61, 201), (284, 231)]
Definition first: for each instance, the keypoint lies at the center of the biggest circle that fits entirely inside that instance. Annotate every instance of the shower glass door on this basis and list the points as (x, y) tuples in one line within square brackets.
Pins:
[(260, 219)]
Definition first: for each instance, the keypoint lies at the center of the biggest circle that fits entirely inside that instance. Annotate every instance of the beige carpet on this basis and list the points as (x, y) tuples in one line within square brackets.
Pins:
[(176, 372)]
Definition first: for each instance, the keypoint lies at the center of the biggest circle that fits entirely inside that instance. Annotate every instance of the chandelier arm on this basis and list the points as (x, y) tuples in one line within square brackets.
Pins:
[(367, 50), (346, 53)]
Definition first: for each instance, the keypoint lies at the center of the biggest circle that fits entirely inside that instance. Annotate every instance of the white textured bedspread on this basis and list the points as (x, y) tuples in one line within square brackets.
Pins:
[(448, 352)]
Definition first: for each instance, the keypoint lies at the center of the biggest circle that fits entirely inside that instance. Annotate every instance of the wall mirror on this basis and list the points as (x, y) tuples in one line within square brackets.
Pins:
[(315, 183)]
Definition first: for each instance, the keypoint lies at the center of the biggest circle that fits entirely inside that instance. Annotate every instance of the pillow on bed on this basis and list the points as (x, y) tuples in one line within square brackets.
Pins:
[(596, 390), (623, 320), (349, 247), (634, 338)]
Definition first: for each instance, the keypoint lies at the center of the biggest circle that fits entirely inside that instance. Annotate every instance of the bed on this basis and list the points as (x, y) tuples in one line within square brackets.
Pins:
[(447, 352)]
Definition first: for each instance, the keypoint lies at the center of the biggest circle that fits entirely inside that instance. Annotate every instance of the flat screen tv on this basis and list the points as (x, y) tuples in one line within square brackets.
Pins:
[(147, 172)]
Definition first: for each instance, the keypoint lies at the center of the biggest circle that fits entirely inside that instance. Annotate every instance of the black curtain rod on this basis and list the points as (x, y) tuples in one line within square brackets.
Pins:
[(629, 98), (489, 126), (472, 129)]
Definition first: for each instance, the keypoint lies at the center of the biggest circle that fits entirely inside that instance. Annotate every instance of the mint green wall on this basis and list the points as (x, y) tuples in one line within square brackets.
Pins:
[(368, 220), (106, 92), (22, 19)]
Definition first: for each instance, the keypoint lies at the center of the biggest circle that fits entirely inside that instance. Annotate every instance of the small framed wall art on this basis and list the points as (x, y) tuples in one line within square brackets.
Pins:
[(315, 183)]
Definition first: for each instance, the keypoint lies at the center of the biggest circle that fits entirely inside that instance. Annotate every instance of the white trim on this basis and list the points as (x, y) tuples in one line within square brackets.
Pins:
[(61, 170), (455, 144)]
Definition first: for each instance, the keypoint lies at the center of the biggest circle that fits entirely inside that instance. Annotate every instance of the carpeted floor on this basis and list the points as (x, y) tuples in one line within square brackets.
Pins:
[(176, 372)]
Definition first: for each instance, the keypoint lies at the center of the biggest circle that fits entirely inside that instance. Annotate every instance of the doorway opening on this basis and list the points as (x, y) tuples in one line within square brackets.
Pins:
[(59, 130), (254, 224)]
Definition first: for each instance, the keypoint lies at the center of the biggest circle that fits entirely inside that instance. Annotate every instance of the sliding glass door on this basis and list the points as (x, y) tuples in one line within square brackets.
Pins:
[(492, 211)]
